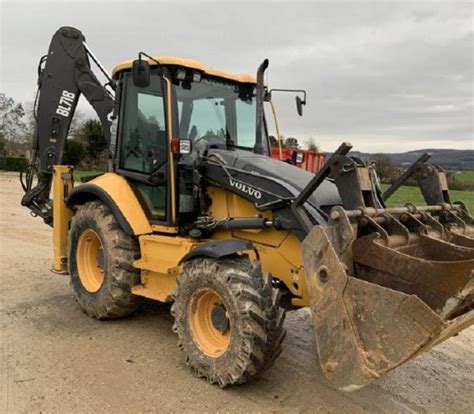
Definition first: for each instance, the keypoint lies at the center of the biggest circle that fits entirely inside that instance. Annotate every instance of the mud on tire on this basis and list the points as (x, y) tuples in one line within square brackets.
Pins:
[(113, 299), (255, 319)]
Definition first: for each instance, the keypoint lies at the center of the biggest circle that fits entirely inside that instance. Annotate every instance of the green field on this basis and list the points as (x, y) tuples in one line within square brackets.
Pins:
[(413, 195), (465, 176)]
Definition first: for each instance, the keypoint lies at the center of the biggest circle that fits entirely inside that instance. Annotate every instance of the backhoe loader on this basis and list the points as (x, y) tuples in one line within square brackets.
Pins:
[(194, 211)]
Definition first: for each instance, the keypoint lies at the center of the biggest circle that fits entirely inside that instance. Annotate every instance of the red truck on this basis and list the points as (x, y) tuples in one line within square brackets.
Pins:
[(309, 160)]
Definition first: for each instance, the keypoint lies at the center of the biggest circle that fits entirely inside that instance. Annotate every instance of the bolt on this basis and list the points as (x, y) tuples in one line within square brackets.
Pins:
[(323, 274), (334, 215)]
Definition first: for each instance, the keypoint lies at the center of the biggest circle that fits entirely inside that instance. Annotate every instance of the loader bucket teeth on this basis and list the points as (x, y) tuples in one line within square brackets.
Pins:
[(379, 300), (437, 272), (462, 240)]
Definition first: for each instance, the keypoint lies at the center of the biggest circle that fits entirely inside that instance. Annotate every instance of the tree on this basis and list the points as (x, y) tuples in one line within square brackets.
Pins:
[(273, 141), (90, 133), (291, 142), (385, 167), (77, 122), (210, 133), (73, 152), (12, 124), (30, 120), (311, 144)]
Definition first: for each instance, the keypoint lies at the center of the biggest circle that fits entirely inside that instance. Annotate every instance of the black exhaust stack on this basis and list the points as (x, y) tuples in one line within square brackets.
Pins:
[(260, 95)]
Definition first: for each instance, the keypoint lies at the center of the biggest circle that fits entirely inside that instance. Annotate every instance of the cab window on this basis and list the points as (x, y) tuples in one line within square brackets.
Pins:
[(144, 133), (143, 147)]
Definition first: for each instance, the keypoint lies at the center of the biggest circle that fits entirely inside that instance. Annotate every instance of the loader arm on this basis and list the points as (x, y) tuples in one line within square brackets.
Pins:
[(65, 76)]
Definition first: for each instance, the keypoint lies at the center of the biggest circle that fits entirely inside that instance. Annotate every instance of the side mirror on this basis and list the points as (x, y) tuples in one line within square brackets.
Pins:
[(299, 105), (141, 73)]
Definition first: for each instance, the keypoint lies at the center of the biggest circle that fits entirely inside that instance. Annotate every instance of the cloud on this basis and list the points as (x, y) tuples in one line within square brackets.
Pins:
[(385, 75)]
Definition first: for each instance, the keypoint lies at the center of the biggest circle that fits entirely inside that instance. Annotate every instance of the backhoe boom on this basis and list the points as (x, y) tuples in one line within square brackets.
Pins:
[(65, 76)]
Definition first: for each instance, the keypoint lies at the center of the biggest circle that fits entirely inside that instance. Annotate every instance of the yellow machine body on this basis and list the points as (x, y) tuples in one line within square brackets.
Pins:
[(191, 64), (62, 214), (161, 249)]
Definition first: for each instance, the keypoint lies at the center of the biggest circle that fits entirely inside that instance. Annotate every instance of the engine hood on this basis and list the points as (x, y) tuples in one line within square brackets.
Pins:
[(325, 196)]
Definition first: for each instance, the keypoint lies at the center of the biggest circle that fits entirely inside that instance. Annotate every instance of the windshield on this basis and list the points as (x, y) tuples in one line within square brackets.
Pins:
[(216, 111)]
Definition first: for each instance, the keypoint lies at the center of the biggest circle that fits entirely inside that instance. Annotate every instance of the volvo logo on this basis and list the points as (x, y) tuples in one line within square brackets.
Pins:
[(246, 189)]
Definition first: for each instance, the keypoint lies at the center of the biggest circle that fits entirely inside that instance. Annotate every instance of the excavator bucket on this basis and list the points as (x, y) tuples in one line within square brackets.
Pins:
[(386, 285), (393, 304)]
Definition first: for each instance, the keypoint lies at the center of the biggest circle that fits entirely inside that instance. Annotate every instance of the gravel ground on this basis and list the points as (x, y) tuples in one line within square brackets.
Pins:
[(55, 359)]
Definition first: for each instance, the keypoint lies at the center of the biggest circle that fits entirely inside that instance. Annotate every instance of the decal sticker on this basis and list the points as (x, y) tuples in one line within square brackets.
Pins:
[(66, 102), (246, 189)]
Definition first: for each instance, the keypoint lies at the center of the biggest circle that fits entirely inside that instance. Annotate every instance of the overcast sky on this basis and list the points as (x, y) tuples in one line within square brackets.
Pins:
[(386, 76)]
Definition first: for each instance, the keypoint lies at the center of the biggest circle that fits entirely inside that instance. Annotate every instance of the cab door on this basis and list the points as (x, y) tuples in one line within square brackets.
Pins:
[(143, 150)]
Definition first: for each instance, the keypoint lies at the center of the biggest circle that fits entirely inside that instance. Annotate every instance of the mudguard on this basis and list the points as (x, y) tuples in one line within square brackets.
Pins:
[(114, 191), (218, 248)]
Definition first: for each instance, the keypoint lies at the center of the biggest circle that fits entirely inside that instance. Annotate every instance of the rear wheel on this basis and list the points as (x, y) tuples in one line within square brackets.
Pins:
[(100, 263), (227, 319)]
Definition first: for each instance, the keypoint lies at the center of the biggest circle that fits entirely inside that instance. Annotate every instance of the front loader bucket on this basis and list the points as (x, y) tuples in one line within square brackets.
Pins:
[(462, 240), (378, 302)]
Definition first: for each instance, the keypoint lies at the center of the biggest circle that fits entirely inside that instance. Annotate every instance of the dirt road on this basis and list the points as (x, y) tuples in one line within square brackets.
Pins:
[(56, 359)]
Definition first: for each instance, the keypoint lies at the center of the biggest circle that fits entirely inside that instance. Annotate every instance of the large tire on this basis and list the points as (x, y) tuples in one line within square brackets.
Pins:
[(252, 329), (103, 277)]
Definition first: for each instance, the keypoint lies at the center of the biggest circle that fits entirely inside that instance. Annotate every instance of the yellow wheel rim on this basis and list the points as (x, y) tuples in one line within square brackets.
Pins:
[(209, 322), (88, 253)]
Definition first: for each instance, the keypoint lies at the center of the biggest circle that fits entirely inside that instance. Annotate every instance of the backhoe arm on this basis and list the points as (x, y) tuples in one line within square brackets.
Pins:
[(61, 81)]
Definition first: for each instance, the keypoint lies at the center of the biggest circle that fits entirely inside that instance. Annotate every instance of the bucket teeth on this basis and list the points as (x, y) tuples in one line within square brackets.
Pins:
[(437, 272), (385, 295), (462, 240)]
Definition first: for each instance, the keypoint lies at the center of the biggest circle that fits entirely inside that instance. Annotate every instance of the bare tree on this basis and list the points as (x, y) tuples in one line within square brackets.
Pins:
[(77, 122), (385, 167), (12, 123), (311, 144)]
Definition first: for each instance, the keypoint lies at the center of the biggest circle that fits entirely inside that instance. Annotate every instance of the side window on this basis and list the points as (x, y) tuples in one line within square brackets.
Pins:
[(143, 133), (144, 142), (245, 112), (271, 125)]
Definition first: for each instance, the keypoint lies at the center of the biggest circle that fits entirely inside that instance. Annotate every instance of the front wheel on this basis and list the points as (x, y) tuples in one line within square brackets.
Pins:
[(227, 318)]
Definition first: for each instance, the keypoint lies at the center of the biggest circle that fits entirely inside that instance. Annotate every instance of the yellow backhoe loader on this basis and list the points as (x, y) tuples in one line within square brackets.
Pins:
[(194, 211)]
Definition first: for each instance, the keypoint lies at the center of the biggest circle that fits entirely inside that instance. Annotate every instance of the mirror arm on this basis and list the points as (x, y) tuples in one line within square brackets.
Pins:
[(140, 54), (269, 93)]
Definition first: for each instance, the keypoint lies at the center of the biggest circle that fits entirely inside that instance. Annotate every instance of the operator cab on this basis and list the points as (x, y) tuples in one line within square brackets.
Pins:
[(178, 100)]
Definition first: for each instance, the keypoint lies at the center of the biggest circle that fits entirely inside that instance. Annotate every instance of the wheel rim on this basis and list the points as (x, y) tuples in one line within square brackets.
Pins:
[(89, 258), (209, 322)]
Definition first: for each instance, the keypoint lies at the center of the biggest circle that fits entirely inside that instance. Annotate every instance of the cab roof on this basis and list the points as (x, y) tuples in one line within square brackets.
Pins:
[(189, 63)]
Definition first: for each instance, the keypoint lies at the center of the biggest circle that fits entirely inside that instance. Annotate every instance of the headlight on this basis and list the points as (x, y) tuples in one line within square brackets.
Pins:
[(181, 74)]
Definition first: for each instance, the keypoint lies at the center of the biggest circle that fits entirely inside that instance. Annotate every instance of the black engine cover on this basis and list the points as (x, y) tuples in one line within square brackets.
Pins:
[(269, 183)]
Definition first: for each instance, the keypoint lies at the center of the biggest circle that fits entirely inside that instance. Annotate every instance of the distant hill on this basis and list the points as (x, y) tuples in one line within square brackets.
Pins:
[(447, 158)]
